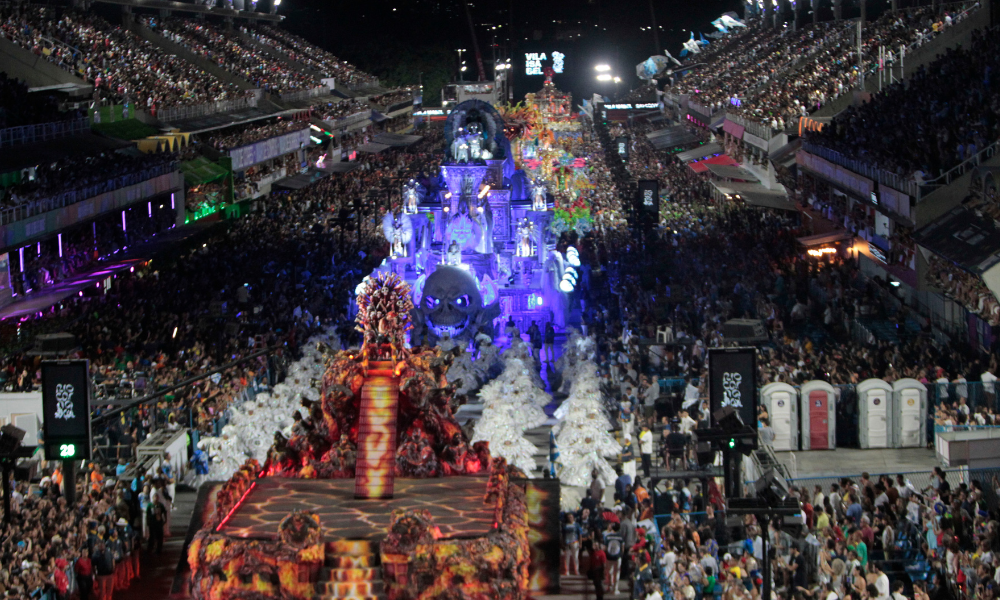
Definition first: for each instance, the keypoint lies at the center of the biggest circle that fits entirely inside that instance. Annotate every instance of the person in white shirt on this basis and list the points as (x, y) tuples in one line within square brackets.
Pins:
[(881, 582), (690, 394), (654, 592), (989, 386), (687, 423), (646, 450), (897, 590)]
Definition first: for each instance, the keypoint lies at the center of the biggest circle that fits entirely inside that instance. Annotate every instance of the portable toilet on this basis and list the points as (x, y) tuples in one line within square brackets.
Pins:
[(910, 414), (782, 405), (875, 414), (817, 405)]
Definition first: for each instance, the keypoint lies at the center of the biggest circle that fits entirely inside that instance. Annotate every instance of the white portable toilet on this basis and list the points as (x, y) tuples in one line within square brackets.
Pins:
[(782, 405), (817, 405), (910, 414), (875, 414)]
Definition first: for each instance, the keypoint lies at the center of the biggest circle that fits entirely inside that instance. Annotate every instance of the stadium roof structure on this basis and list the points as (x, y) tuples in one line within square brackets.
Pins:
[(726, 171), (722, 159), (373, 147), (699, 152), (397, 139), (201, 170), (672, 137), (964, 238), (756, 194)]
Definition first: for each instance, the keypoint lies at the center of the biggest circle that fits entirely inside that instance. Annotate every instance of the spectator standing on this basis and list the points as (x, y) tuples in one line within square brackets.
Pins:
[(646, 450)]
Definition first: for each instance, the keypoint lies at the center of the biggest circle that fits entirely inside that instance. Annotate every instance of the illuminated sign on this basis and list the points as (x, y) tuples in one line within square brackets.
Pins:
[(430, 112), (66, 409), (557, 61), (628, 106), (533, 63)]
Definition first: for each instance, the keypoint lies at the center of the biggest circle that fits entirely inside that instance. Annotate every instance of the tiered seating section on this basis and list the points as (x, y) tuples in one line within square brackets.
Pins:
[(118, 62)]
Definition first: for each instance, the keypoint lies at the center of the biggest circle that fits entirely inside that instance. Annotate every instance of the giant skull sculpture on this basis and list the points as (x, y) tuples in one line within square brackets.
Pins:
[(451, 305)]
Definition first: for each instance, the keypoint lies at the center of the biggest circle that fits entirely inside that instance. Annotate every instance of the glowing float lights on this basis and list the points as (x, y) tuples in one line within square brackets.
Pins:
[(573, 256), (822, 251)]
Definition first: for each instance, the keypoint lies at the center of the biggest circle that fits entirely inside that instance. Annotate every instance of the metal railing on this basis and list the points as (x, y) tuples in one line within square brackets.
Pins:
[(64, 199), (43, 132), (960, 169), (305, 94), (884, 177), (179, 113), (753, 127), (708, 111), (359, 87), (348, 121)]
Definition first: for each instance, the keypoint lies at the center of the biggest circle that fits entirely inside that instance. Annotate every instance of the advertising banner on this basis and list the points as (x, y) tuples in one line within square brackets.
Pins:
[(732, 382)]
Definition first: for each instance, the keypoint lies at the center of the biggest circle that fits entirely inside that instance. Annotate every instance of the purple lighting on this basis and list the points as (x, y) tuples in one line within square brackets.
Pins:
[(172, 201), (123, 221), (59, 237), (20, 252)]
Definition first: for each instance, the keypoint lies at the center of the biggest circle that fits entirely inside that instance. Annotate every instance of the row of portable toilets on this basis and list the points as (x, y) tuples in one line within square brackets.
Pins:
[(890, 415)]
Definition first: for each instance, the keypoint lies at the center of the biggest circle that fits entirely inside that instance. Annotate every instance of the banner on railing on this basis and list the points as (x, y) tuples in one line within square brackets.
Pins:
[(252, 154), (861, 186), (61, 217)]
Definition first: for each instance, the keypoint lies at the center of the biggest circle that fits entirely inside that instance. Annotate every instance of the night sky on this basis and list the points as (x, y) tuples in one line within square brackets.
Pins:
[(404, 42)]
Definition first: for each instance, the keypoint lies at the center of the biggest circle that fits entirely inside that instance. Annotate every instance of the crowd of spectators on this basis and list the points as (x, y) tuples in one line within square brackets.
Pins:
[(241, 135), (384, 101), (227, 51), (944, 114), (705, 264), (321, 60), (265, 280), (109, 170), (339, 110), (776, 76), (965, 288), (54, 550), (119, 63), (18, 108)]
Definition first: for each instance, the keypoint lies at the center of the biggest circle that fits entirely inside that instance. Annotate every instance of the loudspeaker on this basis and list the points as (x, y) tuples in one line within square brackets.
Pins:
[(706, 456), (744, 330), (728, 419), (55, 343), (771, 487), (10, 439)]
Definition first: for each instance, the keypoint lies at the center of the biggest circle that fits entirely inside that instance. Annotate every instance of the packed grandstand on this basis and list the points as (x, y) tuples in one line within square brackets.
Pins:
[(213, 208)]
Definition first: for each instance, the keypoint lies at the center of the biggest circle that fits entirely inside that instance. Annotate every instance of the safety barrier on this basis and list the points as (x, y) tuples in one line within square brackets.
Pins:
[(43, 132), (305, 94), (64, 199), (179, 113)]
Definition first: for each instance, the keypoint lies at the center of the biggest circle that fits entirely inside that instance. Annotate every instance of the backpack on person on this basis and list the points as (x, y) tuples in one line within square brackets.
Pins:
[(614, 545)]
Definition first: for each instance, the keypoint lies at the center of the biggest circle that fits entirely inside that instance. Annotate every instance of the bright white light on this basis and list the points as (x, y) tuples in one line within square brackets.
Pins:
[(463, 68), (573, 259), (278, 3), (565, 286), (604, 77), (618, 79), (602, 68)]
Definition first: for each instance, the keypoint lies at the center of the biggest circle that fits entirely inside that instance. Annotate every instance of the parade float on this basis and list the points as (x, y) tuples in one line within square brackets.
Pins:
[(352, 504)]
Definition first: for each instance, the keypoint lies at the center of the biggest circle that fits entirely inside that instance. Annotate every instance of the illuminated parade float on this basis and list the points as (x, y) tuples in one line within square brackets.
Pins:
[(378, 492)]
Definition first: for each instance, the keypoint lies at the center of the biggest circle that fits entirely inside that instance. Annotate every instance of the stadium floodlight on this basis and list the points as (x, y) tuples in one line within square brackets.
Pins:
[(618, 79), (602, 68), (604, 77)]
